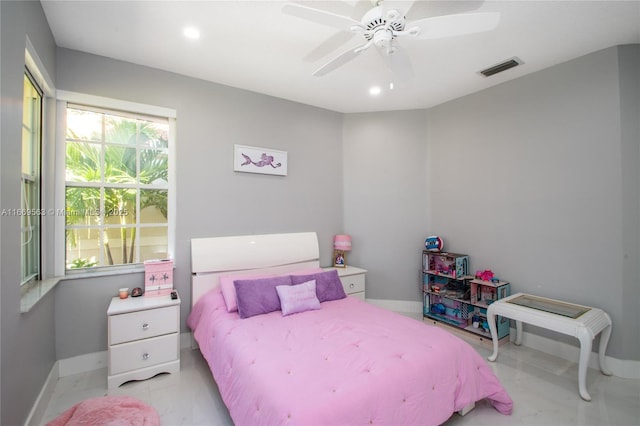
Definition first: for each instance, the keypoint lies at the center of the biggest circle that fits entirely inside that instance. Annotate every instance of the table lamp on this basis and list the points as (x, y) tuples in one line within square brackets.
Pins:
[(341, 245)]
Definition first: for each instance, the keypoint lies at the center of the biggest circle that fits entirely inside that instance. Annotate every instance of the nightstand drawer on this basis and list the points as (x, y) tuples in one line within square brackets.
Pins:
[(353, 283), (143, 324), (143, 353)]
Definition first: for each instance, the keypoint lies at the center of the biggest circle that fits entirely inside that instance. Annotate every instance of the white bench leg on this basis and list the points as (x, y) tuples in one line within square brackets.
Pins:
[(494, 334), (583, 363), (604, 341), (518, 341)]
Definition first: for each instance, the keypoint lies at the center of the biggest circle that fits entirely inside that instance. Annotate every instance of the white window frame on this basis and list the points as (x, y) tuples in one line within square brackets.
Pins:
[(31, 209), (64, 98), (33, 291)]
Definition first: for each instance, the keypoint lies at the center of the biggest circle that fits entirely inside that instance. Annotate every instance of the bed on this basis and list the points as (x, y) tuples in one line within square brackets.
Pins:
[(342, 361)]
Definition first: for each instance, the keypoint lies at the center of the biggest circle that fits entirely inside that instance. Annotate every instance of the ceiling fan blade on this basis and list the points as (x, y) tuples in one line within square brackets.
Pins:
[(319, 16), (455, 25), (340, 60), (401, 6), (398, 62), (330, 45)]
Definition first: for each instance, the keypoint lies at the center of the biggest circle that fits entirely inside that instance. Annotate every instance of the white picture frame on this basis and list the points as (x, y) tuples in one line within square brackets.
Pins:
[(252, 159)]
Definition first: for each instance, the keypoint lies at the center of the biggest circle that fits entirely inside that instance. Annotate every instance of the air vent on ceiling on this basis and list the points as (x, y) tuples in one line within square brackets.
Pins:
[(503, 66)]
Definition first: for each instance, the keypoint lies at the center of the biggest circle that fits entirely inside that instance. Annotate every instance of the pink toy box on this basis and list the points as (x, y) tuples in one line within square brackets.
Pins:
[(158, 277)]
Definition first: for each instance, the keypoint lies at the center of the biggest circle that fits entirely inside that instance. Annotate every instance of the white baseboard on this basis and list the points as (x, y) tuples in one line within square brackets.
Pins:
[(626, 369), (82, 363), (403, 306), (40, 406)]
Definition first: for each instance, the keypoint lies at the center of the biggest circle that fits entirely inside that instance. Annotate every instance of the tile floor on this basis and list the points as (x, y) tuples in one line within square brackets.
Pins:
[(544, 389)]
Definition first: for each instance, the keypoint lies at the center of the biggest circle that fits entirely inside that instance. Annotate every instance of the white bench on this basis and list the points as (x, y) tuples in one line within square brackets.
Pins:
[(581, 322)]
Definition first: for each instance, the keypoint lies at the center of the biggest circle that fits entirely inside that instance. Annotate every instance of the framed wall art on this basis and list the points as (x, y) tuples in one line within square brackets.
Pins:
[(252, 159)]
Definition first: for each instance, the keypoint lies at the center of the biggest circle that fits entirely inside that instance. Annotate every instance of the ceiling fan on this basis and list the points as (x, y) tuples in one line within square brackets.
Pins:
[(384, 24)]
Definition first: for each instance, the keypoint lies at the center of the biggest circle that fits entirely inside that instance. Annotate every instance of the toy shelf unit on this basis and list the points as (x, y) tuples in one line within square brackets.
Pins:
[(451, 296), (446, 265), (483, 293)]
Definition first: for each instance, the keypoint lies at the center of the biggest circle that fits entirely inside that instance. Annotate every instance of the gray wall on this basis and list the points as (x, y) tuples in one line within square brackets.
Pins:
[(629, 65), (212, 199), (533, 179), (385, 199), (27, 347)]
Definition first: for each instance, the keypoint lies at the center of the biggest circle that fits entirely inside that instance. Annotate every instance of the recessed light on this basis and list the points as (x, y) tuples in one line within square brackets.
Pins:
[(375, 91), (391, 86), (192, 33)]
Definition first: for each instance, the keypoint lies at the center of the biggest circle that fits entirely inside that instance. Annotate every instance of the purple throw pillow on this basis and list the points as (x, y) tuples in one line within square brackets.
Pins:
[(259, 296), (298, 298), (229, 290), (328, 284)]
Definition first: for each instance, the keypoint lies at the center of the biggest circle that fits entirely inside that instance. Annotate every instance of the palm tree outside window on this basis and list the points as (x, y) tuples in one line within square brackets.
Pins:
[(116, 190)]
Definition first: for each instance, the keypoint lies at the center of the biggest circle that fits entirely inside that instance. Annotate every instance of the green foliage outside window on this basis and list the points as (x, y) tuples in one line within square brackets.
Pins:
[(116, 189)]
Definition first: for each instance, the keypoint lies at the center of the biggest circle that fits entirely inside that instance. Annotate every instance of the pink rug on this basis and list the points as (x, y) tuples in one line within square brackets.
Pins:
[(108, 410)]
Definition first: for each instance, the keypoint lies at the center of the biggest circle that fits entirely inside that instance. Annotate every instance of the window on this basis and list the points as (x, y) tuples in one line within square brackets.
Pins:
[(116, 187), (30, 179)]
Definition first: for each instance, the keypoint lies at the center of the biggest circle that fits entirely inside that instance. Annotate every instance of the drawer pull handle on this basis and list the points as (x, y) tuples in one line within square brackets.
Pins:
[(146, 356), (352, 285), (145, 326)]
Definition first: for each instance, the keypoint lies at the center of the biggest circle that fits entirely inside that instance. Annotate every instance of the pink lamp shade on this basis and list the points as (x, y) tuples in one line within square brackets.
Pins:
[(342, 242)]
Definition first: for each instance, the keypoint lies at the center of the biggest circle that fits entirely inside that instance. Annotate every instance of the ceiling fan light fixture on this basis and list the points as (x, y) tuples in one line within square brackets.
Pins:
[(382, 38)]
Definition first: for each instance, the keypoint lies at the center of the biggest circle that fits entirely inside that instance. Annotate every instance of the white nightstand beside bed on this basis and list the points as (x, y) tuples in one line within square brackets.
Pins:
[(353, 280), (144, 338)]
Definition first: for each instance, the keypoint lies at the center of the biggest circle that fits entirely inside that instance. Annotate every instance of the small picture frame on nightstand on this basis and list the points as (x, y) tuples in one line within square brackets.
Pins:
[(339, 259)]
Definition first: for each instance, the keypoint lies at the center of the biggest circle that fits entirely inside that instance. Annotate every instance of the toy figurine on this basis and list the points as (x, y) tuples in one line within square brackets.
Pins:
[(475, 321), (433, 243), (486, 275)]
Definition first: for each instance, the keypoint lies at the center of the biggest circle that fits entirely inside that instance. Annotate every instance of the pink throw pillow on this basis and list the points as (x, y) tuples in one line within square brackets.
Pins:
[(298, 298), (229, 290)]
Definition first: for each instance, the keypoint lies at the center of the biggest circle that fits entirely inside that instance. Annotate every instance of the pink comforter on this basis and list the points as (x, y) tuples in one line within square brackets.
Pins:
[(348, 363)]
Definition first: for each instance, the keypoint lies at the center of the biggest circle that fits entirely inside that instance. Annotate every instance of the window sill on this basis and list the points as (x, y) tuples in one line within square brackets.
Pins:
[(75, 274), (34, 291)]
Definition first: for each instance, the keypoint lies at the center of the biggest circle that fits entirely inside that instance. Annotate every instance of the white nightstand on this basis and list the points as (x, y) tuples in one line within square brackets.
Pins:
[(353, 280), (144, 338)]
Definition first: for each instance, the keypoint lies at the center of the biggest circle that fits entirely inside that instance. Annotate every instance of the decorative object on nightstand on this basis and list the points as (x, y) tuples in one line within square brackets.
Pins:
[(341, 245), (454, 298), (144, 338), (353, 280), (158, 277)]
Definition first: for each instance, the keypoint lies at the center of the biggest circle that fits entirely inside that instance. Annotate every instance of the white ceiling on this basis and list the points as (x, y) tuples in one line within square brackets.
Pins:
[(254, 46)]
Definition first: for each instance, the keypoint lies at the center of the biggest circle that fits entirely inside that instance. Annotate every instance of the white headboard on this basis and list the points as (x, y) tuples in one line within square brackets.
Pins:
[(277, 253)]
